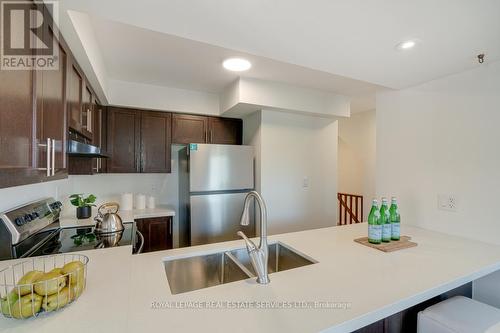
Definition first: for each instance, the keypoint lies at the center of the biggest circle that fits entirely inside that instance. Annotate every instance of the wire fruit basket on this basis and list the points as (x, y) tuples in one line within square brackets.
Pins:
[(42, 284)]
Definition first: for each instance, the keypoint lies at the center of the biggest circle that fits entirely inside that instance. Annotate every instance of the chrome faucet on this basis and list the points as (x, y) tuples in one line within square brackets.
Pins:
[(258, 255)]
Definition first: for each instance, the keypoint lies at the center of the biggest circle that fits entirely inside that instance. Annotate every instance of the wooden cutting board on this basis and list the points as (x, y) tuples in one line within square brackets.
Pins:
[(403, 243)]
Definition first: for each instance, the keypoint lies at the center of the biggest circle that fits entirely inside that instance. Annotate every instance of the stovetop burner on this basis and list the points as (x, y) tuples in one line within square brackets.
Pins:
[(84, 238)]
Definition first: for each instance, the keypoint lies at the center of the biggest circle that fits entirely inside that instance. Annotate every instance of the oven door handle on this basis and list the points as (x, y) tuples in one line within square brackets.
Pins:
[(141, 237)]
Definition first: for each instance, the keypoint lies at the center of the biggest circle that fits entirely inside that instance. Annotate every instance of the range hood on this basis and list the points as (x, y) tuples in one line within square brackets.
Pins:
[(80, 149)]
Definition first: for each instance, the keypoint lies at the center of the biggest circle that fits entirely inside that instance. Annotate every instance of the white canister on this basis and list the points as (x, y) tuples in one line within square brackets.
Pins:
[(140, 201), (127, 201), (151, 202)]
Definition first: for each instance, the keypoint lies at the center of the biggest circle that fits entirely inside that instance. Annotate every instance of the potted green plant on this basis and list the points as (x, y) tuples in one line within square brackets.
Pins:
[(83, 205)]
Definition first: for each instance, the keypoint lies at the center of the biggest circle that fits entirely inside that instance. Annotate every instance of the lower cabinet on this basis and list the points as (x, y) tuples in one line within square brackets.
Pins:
[(157, 233)]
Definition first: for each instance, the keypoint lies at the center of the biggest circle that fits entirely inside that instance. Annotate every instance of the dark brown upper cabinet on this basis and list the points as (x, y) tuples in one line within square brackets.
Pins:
[(38, 107), (138, 141), (202, 129), (87, 113), (123, 140), (155, 142), (16, 128), (33, 110), (189, 129), (74, 96), (226, 131), (51, 114), (94, 165)]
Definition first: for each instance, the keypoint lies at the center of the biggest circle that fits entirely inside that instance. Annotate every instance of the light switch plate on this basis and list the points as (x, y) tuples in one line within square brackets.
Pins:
[(447, 202)]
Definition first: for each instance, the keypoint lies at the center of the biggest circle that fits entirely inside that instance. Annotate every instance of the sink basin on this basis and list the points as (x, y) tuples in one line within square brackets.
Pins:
[(281, 258), (198, 272), (205, 271)]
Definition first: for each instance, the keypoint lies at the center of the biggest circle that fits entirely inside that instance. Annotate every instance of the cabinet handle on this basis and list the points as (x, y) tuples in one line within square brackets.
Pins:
[(170, 227), (53, 157), (89, 120), (48, 156), (211, 136)]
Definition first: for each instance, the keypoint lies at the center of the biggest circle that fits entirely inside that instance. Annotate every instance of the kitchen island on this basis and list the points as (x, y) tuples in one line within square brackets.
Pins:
[(349, 287)]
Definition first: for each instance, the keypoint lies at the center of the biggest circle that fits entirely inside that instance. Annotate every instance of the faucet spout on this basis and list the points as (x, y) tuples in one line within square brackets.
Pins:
[(259, 256), (250, 245)]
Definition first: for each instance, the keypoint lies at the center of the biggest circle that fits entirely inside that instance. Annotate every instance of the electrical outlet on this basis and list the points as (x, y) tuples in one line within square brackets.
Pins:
[(447, 202)]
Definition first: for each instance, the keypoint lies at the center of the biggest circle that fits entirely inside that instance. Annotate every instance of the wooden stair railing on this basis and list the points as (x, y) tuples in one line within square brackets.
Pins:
[(350, 208)]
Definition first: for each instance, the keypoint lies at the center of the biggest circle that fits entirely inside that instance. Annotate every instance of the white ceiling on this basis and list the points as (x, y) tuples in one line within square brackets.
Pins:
[(140, 55), (345, 38)]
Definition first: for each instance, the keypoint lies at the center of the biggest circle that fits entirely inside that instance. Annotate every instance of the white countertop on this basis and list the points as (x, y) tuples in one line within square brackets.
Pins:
[(126, 215), (121, 288)]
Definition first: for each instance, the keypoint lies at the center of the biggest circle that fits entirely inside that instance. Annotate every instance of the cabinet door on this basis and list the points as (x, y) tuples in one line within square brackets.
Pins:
[(16, 127), (74, 98), (189, 129), (123, 140), (157, 233), (155, 142), (51, 112), (227, 131), (87, 113)]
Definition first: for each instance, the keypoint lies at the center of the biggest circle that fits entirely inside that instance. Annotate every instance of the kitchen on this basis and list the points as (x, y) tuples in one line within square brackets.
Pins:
[(143, 111)]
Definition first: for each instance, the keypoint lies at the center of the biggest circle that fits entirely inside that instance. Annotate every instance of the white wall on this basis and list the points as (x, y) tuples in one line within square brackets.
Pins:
[(357, 156), (442, 137), (87, 50), (147, 96), (252, 137), (238, 98), (294, 147), (18, 195)]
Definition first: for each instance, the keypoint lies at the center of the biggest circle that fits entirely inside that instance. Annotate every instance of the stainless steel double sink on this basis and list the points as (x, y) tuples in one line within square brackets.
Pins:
[(198, 272)]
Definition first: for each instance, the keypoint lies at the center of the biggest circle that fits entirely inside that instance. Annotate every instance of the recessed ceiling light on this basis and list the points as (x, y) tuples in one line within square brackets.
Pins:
[(406, 45), (237, 64)]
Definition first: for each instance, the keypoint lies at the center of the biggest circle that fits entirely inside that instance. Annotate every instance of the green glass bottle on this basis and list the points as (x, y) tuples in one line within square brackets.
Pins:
[(385, 221), (374, 226), (395, 220)]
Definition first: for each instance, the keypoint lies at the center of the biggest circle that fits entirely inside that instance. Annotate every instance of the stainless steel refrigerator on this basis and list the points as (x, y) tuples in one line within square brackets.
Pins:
[(213, 183)]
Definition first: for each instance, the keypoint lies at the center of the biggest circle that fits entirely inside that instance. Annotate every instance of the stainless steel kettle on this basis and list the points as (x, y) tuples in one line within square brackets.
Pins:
[(108, 239), (107, 219)]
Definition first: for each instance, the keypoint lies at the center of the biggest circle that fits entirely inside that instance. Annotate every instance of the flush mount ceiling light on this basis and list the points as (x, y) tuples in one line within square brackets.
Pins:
[(236, 64), (407, 44)]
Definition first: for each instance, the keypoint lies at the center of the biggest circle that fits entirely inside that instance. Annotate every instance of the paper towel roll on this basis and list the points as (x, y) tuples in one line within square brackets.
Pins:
[(127, 201), (151, 202), (140, 201)]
